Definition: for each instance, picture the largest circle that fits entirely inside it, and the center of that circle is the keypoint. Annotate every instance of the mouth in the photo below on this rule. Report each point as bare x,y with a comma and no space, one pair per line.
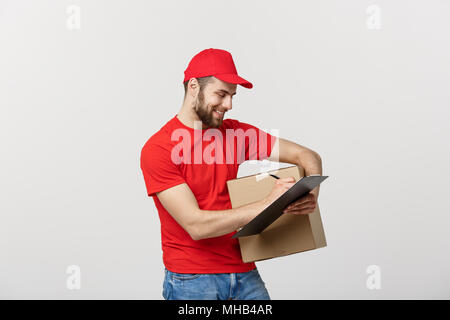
219,113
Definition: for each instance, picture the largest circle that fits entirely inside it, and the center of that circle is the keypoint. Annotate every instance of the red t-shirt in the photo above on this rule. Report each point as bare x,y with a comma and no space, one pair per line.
204,160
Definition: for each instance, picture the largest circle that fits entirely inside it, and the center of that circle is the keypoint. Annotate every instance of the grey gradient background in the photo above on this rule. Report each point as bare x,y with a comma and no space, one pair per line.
78,105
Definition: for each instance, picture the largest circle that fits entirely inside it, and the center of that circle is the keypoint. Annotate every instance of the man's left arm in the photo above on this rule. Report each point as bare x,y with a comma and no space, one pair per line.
291,152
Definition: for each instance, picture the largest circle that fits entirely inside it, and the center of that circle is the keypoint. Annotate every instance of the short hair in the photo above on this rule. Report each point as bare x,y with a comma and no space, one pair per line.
202,82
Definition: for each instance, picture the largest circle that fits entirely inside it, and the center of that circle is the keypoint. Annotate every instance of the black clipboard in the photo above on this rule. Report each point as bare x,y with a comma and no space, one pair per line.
301,188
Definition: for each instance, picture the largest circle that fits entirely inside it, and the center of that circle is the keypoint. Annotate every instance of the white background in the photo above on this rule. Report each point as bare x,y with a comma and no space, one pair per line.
77,105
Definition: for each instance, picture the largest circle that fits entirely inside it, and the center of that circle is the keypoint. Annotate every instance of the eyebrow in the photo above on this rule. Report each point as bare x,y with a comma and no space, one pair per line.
226,92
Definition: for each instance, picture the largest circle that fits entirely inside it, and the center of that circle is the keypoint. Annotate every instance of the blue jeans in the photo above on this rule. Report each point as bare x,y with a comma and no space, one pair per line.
214,286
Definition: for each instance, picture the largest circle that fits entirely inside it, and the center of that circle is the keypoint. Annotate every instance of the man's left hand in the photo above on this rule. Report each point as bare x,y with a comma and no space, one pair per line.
304,205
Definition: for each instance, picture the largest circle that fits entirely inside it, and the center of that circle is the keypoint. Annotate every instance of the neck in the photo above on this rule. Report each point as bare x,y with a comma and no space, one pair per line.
188,116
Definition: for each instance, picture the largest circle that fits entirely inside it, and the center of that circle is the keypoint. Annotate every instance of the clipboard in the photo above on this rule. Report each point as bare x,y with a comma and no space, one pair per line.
301,188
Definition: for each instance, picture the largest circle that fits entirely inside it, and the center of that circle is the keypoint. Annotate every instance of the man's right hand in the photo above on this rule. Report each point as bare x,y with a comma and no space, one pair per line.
280,187
304,205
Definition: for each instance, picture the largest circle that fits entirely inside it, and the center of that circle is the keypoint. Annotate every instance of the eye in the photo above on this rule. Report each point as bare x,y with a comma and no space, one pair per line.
221,95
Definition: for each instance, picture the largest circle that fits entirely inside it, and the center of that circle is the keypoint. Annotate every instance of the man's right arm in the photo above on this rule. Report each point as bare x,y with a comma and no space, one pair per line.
180,202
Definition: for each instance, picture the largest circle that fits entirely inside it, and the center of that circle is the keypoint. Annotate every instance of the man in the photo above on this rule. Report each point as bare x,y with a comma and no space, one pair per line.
187,181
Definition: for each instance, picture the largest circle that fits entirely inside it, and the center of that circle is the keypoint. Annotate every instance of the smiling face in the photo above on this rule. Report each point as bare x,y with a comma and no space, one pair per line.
214,101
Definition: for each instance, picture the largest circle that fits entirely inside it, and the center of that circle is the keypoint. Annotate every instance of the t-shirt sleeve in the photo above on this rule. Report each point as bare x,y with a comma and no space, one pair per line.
258,143
159,171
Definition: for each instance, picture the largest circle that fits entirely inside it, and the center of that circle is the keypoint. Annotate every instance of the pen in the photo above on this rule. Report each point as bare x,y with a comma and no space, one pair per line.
276,177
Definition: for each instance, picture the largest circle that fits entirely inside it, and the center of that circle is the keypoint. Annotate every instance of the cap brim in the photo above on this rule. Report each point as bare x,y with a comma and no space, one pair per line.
235,79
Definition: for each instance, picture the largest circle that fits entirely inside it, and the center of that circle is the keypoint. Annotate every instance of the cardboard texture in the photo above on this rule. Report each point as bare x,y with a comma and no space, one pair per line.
288,234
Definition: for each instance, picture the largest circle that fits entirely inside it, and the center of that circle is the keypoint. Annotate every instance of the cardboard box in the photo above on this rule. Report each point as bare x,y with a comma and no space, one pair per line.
288,234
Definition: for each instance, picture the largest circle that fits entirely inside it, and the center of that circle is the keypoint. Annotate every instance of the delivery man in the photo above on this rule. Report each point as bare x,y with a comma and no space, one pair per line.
186,165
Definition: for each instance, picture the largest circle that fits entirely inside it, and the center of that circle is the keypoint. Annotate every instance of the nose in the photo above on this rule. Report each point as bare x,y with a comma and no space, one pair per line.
228,103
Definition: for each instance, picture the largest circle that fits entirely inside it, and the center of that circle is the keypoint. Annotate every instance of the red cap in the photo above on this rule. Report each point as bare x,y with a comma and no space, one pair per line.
214,62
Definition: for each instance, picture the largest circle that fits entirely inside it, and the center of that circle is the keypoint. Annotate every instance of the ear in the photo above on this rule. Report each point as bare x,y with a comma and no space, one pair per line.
193,87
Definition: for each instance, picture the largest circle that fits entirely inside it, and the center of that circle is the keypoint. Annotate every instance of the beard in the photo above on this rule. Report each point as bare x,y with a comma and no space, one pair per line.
205,113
